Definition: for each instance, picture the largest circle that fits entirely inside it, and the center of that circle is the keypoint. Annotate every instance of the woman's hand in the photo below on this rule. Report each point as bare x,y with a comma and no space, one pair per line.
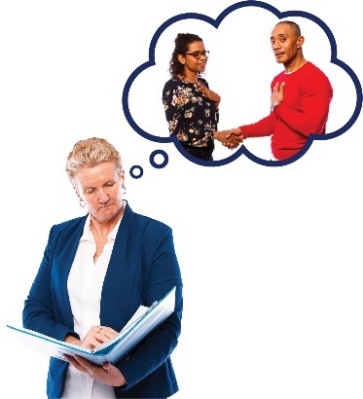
209,93
96,336
107,373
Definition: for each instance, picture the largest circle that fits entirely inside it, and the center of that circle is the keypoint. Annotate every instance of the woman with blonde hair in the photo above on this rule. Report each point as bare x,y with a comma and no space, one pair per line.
96,271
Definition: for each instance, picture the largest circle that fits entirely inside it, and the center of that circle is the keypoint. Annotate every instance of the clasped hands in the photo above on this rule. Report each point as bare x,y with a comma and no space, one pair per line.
107,373
231,138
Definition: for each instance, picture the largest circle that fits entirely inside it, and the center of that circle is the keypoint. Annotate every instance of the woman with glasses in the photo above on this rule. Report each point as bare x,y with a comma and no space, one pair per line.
191,107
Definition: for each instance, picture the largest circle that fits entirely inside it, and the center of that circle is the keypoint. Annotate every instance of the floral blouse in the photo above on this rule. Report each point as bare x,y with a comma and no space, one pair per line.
191,117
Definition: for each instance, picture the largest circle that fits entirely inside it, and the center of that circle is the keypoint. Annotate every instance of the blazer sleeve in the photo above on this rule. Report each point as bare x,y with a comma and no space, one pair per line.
163,273
39,312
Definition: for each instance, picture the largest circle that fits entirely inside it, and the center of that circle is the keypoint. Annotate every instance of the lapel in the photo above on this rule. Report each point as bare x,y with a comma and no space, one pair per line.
121,274
67,248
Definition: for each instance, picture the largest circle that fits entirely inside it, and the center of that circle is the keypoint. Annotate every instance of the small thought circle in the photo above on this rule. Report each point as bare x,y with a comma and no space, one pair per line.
136,171
164,161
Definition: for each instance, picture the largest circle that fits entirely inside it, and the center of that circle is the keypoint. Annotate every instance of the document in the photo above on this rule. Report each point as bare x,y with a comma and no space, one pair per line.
144,320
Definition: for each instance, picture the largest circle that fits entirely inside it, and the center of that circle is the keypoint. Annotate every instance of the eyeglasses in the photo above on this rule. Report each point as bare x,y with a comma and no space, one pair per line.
198,54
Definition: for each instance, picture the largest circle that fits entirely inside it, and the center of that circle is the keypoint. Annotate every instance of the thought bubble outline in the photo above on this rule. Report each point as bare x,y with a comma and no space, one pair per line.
242,149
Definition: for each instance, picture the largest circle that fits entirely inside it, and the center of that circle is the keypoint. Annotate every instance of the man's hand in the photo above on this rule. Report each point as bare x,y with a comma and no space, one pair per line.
277,95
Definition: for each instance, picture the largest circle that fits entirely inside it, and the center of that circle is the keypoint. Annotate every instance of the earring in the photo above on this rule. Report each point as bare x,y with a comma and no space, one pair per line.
123,190
82,203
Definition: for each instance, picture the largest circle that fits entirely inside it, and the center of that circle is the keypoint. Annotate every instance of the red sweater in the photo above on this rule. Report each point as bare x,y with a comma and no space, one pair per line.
304,110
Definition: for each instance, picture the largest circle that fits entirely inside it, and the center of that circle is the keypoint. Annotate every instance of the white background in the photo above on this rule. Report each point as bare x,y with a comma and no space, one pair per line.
271,257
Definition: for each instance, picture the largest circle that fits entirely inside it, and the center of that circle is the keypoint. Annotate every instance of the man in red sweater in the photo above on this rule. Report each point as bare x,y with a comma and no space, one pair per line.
300,97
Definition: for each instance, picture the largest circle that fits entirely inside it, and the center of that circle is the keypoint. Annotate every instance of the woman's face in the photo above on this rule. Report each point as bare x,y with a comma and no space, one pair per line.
195,59
100,187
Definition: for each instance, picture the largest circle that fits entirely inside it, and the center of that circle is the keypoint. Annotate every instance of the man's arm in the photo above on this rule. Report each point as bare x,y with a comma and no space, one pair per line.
264,127
232,137
315,109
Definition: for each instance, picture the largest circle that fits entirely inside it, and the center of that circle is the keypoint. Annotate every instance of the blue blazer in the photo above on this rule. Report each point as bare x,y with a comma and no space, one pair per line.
143,268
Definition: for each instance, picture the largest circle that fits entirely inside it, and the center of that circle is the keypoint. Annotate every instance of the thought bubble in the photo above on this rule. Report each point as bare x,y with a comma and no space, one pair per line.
241,66
158,159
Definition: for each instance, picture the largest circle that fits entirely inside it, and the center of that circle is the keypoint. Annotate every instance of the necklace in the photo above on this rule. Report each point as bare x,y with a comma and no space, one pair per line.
100,238
99,245
187,80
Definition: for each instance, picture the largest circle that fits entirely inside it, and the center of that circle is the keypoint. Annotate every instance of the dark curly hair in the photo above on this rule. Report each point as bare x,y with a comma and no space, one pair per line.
182,42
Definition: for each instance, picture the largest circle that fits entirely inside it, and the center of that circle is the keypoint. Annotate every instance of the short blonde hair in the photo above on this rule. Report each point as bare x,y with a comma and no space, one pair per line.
91,152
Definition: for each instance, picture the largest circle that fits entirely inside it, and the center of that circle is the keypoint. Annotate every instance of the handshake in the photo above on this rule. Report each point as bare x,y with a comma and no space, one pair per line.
231,138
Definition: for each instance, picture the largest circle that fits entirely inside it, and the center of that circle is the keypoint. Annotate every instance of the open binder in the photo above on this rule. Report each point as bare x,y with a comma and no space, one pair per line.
144,320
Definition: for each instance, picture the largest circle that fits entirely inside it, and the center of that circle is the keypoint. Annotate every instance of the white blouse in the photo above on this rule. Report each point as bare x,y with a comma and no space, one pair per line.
85,282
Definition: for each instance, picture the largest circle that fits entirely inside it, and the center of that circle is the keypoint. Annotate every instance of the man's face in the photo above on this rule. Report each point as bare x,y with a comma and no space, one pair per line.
285,44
